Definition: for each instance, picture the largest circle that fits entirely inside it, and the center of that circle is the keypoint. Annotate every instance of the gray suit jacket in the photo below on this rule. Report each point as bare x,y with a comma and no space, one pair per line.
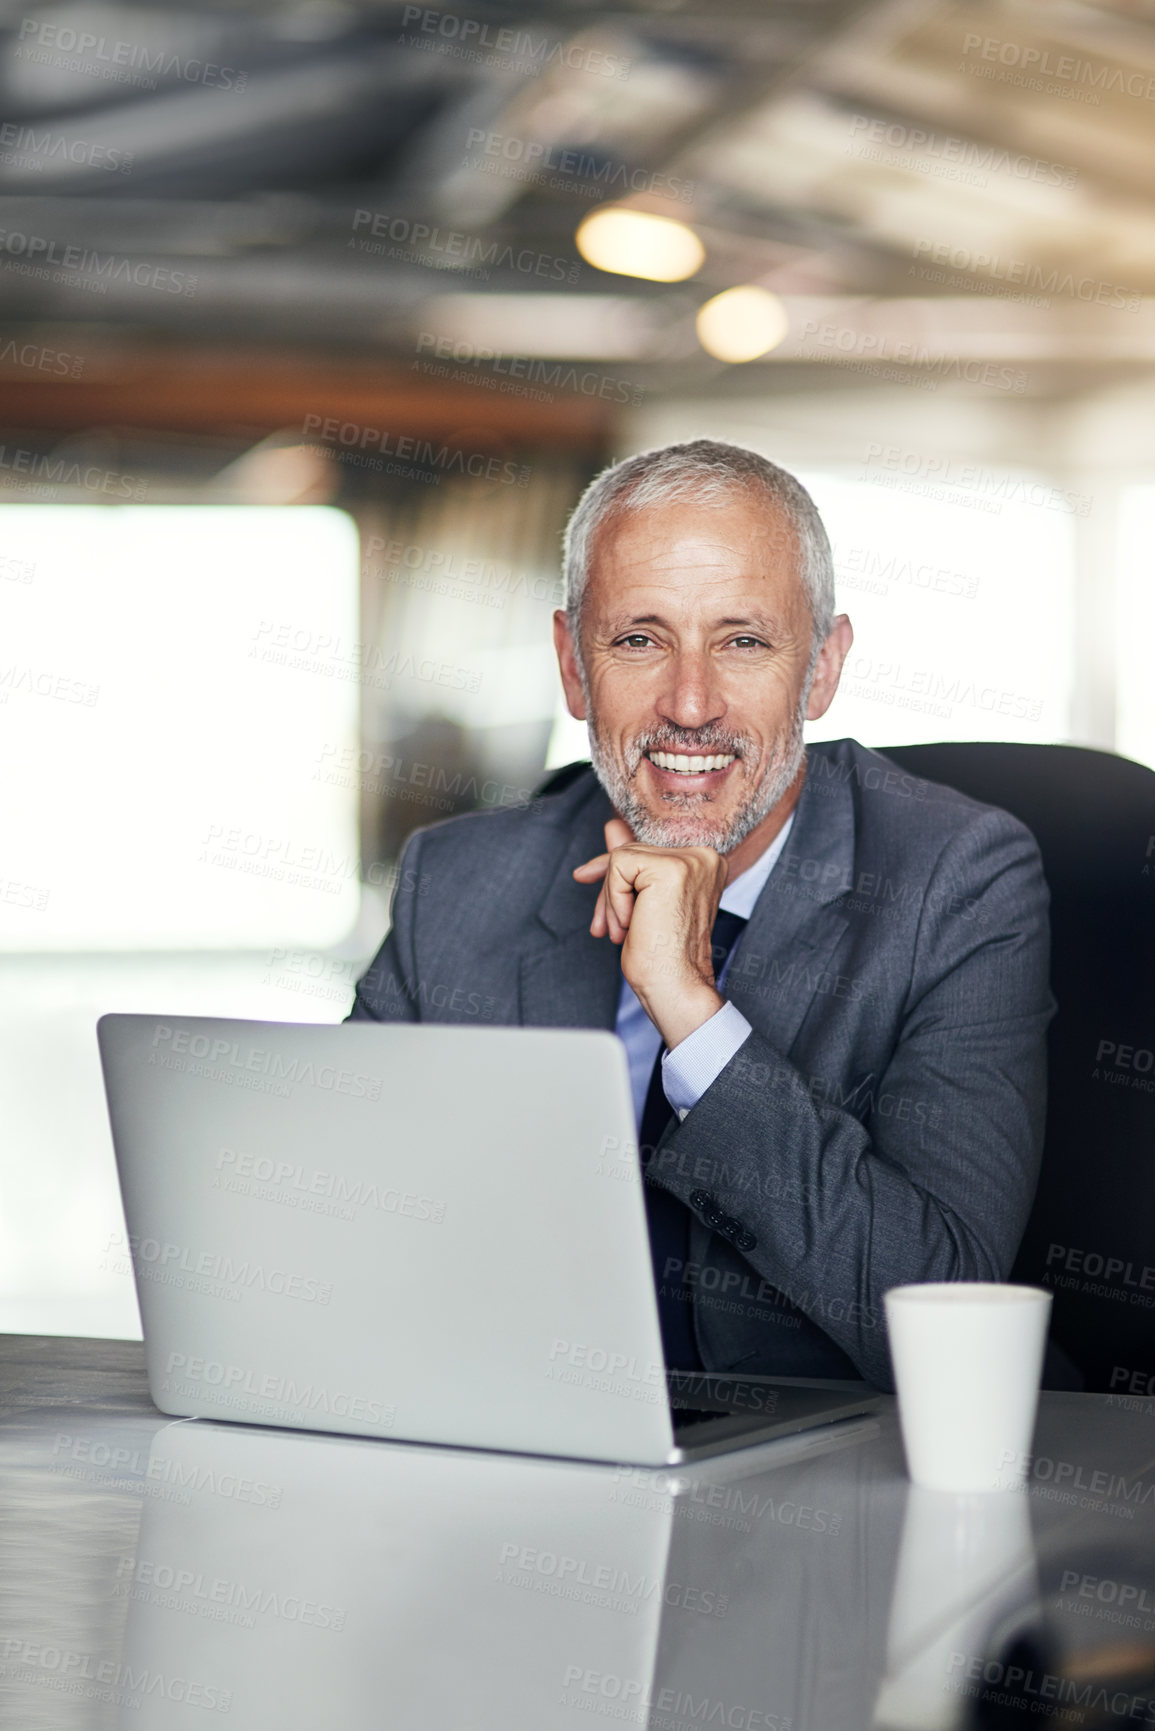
882,1124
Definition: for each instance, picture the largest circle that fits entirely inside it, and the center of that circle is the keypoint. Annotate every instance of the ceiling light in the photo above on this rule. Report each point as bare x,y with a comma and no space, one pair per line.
741,324
634,243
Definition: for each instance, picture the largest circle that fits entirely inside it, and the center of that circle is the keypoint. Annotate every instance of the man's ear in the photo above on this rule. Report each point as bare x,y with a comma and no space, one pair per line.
567,662
828,667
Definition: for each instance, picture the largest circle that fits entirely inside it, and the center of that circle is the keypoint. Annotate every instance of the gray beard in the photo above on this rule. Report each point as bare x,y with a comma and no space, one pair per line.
689,823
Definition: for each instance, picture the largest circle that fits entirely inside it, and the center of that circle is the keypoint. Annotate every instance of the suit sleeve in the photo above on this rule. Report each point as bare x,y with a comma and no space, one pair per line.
934,1179
387,990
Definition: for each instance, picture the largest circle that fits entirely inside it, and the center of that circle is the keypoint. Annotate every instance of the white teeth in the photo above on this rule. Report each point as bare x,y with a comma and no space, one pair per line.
684,765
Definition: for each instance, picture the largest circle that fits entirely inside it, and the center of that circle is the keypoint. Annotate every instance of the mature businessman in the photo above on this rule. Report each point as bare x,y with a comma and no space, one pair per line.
831,979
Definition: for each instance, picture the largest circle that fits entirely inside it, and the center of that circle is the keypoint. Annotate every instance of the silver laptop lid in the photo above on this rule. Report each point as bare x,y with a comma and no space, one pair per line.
430,1233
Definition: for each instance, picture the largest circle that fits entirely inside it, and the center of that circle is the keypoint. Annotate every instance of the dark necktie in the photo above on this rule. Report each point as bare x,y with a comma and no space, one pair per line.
669,1219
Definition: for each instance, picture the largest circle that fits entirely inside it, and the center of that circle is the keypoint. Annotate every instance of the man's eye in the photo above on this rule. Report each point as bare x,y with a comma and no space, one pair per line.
748,642
635,637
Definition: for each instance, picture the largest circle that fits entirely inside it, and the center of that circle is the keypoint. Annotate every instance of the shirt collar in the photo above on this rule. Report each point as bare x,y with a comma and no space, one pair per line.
740,896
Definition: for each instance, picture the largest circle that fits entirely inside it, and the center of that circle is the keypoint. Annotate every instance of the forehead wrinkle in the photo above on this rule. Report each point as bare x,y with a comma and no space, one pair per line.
709,601
691,566
733,523
747,619
689,554
739,591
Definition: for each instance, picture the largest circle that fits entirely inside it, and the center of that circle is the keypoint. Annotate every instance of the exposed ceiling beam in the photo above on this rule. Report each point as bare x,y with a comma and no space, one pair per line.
220,391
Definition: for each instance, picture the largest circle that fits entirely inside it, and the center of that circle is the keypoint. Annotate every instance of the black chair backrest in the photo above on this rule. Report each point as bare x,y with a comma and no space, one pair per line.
1091,1234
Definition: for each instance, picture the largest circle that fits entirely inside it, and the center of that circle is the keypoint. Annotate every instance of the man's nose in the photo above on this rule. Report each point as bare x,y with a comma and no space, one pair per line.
691,698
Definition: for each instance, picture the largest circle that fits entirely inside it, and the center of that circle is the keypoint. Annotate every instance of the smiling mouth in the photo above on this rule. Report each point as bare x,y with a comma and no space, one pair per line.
679,763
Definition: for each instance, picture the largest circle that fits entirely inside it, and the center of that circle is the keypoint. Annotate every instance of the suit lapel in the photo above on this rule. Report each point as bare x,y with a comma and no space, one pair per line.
576,981
576,984
793,930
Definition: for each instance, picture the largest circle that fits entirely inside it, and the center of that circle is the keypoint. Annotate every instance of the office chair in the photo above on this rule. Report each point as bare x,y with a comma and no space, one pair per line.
1091,1234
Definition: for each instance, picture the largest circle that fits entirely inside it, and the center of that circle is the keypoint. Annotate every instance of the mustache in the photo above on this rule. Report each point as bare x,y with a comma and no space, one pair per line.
701,742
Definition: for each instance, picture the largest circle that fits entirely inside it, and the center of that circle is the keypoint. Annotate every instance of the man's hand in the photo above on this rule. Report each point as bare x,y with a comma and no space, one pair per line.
659,903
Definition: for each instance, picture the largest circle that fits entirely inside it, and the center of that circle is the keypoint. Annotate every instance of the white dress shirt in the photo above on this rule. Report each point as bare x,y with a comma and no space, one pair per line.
693,1064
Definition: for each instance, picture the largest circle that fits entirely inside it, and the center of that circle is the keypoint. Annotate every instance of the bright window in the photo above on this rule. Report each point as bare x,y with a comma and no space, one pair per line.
178,687
962,607
1135,690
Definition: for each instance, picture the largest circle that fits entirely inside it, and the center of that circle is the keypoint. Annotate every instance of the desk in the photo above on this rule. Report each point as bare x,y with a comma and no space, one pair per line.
161,1573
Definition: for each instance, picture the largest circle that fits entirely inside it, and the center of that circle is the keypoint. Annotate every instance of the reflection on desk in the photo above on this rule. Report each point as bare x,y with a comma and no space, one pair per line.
162,1574
323,1581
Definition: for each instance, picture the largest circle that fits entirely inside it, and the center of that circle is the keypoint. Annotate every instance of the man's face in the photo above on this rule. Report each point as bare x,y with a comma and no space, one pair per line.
696,637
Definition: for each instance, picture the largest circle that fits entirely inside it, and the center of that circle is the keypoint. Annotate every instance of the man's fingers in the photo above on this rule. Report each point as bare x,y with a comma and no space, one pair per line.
607,919
592,870
618,895
615,904
612,911
618,834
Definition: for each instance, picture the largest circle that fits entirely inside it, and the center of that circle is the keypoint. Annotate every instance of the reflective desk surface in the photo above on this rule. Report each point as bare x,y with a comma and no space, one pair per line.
164,1573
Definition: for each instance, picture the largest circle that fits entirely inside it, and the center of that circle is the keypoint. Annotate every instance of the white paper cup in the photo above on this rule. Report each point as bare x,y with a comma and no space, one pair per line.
967,1359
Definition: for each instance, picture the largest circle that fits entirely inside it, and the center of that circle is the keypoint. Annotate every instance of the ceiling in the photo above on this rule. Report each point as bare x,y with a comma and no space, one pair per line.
928,184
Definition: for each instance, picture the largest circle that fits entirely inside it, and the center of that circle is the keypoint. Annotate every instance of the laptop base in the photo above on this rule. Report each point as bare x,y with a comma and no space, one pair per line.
716,1411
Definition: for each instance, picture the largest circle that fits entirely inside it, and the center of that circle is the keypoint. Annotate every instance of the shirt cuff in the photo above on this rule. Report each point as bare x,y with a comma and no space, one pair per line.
701,1057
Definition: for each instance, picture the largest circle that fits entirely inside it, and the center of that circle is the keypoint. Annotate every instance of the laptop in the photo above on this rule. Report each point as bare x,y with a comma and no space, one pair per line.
427,1233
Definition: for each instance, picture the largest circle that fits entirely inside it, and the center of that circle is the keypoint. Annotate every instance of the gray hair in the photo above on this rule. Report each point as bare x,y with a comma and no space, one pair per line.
708,472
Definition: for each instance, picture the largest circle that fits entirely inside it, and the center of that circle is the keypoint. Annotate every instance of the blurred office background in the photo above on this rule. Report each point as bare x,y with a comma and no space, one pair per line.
304,362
